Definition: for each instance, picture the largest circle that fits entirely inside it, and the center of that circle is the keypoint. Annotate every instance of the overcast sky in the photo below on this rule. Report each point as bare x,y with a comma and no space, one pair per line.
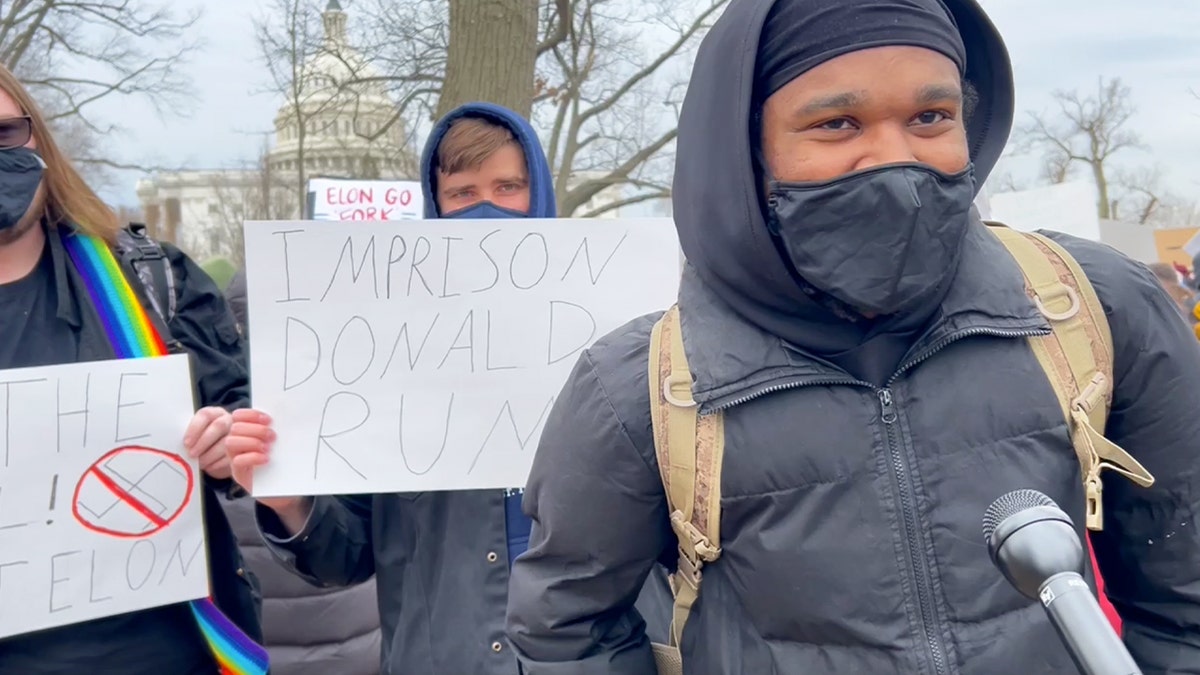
1055,44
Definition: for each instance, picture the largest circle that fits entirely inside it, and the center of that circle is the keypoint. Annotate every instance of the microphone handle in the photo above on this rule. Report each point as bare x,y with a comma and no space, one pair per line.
1086,632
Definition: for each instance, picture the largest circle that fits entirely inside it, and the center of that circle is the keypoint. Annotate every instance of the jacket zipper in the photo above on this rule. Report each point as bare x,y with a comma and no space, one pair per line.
758,393
709,409
955,337
917,563
917,559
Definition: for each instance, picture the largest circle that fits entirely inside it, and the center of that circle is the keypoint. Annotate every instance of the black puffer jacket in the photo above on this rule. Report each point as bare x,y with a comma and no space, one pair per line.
851,512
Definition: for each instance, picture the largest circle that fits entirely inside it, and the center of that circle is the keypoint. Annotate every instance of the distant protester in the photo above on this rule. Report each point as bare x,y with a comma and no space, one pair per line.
442,601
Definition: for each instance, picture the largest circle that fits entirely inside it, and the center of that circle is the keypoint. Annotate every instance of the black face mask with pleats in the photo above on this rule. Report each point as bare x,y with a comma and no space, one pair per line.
882,240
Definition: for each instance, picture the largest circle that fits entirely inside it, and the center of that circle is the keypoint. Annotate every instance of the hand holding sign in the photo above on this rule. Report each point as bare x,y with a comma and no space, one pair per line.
249,445
100,508
204,440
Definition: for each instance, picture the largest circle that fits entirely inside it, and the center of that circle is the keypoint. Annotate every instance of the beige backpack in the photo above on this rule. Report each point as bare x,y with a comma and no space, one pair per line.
1077,358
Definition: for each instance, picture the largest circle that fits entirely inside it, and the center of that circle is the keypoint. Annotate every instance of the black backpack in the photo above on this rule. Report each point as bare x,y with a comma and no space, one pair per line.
153,269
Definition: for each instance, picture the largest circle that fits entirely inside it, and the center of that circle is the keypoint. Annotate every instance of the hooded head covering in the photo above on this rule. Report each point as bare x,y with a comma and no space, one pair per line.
541,185
801,34
717,195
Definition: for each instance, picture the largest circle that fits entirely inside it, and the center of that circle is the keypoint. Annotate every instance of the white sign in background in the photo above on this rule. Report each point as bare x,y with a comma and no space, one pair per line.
1069,208
100,508
398,357
376,200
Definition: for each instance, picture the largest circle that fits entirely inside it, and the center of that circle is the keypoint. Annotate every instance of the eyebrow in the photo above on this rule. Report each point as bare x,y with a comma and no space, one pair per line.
447,189
841,101
931,93
512,179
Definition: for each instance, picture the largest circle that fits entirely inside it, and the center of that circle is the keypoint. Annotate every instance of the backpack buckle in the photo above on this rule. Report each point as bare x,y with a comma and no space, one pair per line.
1066,292
682,383
696,553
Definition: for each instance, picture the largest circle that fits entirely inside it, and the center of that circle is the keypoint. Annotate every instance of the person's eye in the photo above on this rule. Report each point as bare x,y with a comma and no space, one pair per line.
509,188
839,124
931,117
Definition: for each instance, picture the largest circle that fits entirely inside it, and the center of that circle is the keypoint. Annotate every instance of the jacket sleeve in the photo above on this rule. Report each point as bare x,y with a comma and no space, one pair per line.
334,546
235,294
204,325
1149,550
599,525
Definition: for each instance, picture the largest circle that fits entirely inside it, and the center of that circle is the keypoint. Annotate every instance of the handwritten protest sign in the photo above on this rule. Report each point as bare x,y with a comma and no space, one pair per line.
338,199
99,512
398,357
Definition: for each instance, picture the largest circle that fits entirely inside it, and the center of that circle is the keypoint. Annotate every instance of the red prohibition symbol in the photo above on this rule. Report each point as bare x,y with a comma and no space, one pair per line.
132,492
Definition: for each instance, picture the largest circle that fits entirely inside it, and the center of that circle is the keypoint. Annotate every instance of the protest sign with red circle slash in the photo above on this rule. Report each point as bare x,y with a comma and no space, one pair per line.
133,492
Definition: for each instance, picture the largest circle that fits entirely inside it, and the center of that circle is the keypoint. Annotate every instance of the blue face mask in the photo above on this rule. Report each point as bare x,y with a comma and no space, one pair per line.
484,210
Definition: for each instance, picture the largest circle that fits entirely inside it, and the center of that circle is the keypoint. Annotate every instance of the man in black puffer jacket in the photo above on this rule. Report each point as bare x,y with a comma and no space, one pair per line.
864,336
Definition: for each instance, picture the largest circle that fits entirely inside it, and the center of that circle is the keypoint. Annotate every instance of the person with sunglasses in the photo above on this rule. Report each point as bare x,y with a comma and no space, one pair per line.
48,317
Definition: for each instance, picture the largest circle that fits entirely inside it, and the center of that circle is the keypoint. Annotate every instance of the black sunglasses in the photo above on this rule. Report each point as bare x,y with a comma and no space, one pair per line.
15,131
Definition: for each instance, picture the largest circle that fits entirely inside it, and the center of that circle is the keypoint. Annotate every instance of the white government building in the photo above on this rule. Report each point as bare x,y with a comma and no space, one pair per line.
344,136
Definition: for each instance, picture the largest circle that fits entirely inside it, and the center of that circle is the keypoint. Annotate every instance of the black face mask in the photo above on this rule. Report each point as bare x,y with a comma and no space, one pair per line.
20,174
881,240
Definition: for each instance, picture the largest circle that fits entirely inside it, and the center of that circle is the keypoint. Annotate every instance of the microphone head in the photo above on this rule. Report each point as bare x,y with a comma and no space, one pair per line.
1030,540
1011,504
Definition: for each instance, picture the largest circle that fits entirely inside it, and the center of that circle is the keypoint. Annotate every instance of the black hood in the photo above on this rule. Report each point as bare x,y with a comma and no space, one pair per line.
716,197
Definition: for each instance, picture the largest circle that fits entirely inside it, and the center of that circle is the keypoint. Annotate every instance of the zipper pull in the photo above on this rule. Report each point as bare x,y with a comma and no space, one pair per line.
886,406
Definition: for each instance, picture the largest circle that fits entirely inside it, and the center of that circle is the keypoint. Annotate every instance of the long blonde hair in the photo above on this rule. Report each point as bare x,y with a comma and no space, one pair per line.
69,200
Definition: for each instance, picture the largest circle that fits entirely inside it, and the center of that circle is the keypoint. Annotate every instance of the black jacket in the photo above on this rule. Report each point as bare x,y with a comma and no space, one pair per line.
235,295
851,513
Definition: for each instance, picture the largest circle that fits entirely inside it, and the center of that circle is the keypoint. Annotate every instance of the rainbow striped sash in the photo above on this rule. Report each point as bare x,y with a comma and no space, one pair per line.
133,335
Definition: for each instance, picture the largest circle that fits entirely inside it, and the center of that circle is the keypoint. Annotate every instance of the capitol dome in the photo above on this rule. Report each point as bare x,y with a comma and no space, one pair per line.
345,110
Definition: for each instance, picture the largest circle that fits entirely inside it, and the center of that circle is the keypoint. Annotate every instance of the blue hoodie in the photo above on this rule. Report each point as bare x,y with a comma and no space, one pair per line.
541,183
541,205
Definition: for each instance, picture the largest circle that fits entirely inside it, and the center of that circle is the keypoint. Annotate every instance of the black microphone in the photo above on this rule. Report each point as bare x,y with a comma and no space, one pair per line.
1034,545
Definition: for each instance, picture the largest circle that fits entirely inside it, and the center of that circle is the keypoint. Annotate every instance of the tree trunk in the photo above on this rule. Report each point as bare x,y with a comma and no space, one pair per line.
493,49
301,174
1105,211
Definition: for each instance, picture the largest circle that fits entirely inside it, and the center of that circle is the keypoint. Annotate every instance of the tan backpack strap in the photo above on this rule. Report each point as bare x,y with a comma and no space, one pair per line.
1077,357
690,448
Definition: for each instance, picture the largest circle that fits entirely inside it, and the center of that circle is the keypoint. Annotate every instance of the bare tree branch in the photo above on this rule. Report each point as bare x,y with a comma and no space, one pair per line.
1089,130
75,54
561,20
254,193
603,94
605,98
1056,166
664,193
1142,189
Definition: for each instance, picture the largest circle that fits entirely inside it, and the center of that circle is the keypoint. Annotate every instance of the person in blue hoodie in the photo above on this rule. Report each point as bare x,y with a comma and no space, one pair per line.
485,161
441,559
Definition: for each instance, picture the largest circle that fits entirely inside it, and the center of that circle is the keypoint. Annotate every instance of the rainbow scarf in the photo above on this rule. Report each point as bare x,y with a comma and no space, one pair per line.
132,336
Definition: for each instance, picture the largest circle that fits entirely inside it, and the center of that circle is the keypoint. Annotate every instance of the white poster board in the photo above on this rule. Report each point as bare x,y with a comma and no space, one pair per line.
373,200
1069,208
100,508
398,357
